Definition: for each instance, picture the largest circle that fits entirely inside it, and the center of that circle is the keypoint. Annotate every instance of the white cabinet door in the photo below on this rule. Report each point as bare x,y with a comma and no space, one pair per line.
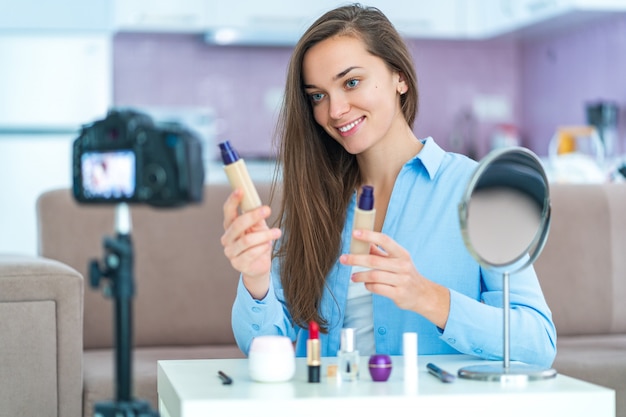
598,5
286,19
162,15
442,19
91,15
532,11
489,18
486,18
31,165
271,22
278,14
54,81
495,17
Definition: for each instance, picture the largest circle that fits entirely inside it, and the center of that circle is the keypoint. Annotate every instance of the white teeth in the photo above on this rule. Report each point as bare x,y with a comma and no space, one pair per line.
345,128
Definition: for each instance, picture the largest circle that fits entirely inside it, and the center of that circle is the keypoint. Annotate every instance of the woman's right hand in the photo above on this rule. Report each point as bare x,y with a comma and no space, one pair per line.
247,242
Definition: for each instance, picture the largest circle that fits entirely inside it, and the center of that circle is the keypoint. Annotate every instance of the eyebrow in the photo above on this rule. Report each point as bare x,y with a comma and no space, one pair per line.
336,77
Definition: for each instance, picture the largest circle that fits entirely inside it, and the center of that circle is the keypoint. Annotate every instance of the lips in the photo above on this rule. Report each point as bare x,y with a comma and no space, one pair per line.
348,128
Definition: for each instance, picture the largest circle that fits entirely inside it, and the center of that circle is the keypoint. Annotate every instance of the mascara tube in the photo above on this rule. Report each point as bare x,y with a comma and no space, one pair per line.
238,176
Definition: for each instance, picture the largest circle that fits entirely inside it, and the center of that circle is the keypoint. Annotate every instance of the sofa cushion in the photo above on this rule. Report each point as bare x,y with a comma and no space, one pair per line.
99,370
582,266
28,386
185,286
40,343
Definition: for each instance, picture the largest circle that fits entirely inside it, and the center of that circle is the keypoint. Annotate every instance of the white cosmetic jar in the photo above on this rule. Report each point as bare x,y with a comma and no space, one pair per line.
271,359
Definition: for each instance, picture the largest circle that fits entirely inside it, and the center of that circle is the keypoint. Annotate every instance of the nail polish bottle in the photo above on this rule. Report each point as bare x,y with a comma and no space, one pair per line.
238,176
348,356
364,218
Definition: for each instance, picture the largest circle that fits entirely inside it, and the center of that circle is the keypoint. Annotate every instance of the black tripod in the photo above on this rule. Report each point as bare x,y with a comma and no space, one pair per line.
118,268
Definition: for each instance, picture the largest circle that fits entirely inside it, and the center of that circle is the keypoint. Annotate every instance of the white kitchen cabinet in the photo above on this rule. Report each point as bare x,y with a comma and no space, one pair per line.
253,22
51,82
76,15
278,14
163,15
283,21
495,17
528,11
420,19
443,19
488,18
599,5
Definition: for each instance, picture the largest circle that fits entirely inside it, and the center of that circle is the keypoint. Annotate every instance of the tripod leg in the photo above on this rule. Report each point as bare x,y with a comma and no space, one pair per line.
123,363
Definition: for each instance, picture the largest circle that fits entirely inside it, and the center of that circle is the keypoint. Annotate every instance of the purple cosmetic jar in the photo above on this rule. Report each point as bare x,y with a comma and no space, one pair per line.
380,367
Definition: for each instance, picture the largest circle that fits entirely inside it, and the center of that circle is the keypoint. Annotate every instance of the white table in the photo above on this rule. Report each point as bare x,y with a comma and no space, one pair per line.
191,388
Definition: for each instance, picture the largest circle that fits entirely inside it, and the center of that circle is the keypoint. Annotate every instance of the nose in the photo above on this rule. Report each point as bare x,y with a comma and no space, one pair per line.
338,106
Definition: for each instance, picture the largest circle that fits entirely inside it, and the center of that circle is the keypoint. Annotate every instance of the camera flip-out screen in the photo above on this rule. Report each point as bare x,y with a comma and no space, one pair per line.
108,175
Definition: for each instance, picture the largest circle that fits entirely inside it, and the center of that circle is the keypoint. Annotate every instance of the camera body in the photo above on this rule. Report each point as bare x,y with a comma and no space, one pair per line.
127,158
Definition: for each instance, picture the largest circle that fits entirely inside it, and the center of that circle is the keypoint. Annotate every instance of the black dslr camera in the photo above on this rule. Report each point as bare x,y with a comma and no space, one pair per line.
126,157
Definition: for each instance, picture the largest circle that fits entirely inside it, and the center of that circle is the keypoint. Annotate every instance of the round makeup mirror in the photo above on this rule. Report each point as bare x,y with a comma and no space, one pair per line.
505,219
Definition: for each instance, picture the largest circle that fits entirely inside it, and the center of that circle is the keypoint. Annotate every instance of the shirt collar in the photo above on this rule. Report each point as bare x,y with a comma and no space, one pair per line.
431,156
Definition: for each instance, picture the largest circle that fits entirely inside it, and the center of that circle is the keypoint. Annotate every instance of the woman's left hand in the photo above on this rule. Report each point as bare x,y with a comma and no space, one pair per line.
392,274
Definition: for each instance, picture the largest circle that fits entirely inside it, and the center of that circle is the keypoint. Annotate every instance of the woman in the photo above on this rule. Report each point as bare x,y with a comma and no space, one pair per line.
346,121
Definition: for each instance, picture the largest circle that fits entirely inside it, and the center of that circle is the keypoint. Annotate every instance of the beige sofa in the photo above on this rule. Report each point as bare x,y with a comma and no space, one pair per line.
40,343
582,271
184,285
185,288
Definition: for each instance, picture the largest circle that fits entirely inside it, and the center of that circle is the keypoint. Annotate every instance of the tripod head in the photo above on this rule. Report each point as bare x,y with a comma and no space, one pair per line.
118,259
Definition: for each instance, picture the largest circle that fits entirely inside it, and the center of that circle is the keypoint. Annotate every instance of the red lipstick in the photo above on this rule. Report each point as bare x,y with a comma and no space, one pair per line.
313,352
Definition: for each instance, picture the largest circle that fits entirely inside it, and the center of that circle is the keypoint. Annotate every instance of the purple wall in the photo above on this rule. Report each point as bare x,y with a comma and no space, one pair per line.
241,84
451,75
563,72
181,70
546,82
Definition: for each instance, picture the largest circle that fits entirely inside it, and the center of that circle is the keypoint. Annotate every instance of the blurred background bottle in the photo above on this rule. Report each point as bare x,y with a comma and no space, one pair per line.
505,135
604,116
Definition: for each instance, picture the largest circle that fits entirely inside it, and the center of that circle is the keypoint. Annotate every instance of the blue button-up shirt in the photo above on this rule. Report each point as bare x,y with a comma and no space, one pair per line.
422,216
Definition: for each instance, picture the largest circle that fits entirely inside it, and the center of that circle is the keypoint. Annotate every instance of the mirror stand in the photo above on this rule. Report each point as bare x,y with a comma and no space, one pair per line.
507,372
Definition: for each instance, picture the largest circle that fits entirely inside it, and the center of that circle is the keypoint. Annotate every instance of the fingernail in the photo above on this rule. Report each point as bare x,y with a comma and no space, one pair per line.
358,233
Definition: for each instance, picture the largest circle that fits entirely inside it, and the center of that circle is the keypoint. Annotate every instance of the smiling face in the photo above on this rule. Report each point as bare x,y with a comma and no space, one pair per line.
355,96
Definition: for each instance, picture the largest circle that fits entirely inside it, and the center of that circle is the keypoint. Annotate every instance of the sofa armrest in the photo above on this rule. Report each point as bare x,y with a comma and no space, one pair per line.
41,314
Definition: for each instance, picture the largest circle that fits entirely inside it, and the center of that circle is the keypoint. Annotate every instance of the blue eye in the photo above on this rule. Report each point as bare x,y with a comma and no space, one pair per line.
317,97
352,83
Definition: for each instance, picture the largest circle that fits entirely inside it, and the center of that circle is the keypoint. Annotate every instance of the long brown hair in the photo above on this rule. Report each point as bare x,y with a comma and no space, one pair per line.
318,175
